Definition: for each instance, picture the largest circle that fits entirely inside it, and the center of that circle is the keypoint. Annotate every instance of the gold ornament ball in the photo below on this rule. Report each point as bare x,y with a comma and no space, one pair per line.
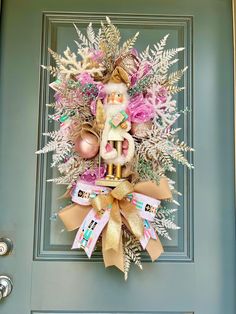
87,145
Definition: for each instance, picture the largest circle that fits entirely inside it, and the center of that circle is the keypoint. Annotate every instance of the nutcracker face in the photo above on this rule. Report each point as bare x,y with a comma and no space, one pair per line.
115,98
116,95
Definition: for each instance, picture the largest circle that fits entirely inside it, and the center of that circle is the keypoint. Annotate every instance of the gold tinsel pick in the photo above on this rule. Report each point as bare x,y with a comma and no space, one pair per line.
99,125
100,115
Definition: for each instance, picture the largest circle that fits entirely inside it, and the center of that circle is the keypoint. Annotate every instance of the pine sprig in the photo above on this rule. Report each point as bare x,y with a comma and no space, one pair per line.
145,170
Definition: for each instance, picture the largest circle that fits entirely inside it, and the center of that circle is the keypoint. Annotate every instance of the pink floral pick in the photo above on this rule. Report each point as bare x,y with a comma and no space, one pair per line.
140,109
91,175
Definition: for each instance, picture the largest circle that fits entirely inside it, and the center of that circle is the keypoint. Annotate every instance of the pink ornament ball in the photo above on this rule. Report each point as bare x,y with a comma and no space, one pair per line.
87,145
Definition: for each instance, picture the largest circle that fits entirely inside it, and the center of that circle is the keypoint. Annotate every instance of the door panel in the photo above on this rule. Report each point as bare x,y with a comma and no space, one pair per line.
58,31
196,273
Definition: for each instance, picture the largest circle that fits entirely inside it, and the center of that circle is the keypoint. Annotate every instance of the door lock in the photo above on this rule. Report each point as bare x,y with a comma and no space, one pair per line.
6,246
5,286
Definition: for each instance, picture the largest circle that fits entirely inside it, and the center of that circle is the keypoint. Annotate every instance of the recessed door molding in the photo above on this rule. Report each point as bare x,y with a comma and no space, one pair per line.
181,249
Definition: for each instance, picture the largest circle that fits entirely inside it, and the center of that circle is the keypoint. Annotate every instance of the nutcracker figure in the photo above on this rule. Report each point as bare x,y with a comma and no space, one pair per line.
117,145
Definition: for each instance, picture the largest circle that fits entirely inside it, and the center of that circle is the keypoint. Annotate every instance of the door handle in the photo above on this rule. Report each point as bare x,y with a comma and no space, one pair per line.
6,246
5,286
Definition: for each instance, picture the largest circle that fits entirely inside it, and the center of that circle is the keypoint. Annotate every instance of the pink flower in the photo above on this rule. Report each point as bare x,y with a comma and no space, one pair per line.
140,109
93,92
91,175
143,70
96,55
161,95
134,52
93,107
101,95
85,78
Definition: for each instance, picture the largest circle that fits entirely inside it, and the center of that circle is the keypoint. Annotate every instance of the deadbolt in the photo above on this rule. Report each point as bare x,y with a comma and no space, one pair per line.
6,246
5,286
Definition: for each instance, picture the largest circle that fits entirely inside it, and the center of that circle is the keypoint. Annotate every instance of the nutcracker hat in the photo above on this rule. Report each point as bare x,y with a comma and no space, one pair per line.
119,75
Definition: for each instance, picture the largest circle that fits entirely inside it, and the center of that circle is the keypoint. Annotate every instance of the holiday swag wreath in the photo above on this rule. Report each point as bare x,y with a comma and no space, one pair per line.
116,143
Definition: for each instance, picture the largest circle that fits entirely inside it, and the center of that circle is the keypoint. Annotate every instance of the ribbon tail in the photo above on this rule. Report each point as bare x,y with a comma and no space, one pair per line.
73,215
129,211
149,232
112,257
90,231
154,248
114,228
161,191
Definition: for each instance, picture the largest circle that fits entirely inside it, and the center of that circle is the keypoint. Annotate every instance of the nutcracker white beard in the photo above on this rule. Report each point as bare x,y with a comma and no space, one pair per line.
112,109
115,105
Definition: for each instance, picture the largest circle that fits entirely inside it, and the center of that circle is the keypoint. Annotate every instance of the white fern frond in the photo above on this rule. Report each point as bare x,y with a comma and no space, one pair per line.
49,147
91,34
145,54
169,224
54,71
161,230
83,40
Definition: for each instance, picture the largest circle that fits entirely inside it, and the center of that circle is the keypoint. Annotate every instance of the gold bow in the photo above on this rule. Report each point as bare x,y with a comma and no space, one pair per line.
121,211
119,205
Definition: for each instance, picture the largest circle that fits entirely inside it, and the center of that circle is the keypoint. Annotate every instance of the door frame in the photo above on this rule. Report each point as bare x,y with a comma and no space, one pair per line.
234,62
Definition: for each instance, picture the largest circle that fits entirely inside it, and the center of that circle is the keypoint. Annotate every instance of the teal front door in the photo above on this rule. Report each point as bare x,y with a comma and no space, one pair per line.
196,274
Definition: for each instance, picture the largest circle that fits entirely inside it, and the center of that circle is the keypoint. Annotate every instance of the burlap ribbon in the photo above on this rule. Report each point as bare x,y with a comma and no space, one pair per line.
121,211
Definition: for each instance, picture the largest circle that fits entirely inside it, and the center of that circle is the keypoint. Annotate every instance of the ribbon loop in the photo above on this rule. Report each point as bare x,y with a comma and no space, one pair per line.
122,190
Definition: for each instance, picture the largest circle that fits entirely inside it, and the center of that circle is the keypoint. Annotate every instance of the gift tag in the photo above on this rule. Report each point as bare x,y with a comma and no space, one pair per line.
119,118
